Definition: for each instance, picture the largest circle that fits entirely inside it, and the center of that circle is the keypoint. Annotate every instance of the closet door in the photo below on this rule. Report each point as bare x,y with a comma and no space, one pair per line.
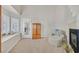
36,34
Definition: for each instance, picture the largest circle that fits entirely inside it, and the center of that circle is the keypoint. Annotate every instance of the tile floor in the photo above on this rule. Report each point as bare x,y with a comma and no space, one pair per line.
36,46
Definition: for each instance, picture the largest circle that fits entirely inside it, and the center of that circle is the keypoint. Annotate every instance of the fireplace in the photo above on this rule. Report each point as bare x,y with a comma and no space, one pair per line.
74,39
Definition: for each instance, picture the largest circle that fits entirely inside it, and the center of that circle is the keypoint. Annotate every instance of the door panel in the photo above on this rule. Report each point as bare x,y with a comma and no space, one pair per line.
34,36
34,26
34,31
38,26
38,37
38,32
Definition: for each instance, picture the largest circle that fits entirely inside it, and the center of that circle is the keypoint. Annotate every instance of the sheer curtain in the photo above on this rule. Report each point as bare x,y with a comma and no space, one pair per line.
5,24
14,25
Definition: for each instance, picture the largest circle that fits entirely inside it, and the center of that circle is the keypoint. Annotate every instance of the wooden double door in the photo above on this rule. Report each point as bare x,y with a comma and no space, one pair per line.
36,34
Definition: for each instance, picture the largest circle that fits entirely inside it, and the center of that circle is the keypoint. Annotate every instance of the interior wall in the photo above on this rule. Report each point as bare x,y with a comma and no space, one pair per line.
64,20
43,14
51,17
44,27
70,22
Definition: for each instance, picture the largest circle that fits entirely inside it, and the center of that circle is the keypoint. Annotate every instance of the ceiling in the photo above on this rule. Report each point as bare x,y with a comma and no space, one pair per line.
74,8
21,8
53,14
38,11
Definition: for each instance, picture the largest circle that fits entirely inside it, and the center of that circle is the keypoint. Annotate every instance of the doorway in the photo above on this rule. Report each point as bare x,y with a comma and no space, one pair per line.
36,31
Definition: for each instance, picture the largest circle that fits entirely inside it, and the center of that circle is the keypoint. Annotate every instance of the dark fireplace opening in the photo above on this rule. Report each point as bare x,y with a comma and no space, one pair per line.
74,39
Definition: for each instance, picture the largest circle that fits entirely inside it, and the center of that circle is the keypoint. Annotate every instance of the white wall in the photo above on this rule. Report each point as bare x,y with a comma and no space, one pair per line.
43,14
52,17
70,21
44,28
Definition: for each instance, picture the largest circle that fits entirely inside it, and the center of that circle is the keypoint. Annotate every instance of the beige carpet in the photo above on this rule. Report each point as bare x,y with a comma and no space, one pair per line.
36,46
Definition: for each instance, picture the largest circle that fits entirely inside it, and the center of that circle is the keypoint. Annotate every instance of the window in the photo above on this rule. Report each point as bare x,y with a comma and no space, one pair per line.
14,25
9,26
5,24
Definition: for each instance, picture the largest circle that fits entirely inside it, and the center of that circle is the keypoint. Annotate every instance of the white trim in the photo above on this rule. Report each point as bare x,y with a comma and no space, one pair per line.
8,37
